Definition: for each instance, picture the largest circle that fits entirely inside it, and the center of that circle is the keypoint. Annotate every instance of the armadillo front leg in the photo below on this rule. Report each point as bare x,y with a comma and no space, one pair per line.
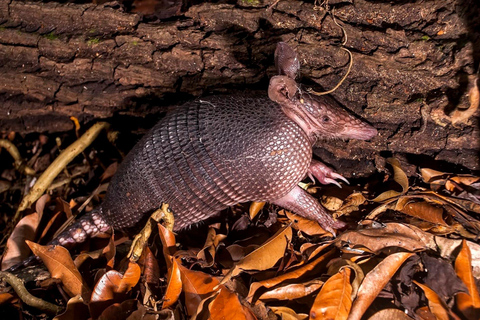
303,204
324,174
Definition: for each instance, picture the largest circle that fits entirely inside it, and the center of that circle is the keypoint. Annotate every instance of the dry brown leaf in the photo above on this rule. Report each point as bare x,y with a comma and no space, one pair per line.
374,282
112,288
150,267
310,227
398,176
424,313
468,304
391,235
169,243
437,306
313,266
465,179
255,208
76,310
335,265
334,300
227,306
105,288
174,287
390,314
351,204
331,203
266,256
206,256
196,287
288,314
292,291
17,250
422,210
108,251
130,278
429,175
118,311
60,265
311,250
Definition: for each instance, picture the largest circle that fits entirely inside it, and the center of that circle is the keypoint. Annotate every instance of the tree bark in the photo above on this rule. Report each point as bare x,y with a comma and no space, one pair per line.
414,63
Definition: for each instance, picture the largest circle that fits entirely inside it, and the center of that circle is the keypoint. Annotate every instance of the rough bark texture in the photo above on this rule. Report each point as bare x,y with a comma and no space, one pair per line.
413,64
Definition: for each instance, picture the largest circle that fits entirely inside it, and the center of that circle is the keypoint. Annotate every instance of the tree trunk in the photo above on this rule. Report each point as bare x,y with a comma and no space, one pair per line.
414,63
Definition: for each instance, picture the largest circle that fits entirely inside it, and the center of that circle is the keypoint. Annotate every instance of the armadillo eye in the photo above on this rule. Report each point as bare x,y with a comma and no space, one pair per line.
326,119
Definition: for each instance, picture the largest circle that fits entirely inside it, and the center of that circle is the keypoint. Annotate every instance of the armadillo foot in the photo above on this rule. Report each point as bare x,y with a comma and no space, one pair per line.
324,174
305,205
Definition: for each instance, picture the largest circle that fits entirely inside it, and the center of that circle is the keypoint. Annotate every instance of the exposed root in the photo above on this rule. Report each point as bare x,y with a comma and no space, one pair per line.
19,287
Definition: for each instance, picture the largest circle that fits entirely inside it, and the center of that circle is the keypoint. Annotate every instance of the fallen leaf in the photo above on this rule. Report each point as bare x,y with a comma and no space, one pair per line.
112,288
310,267
390,314
227,306
174,286
437,306
17,250
422,210
398,176
334,300
255,208
429,175
310,227
468,304
168,243
60,265
196,287
206,256
119,311
266,256
392,235
288,314
76,310
374,282
441,277
292,291
130,278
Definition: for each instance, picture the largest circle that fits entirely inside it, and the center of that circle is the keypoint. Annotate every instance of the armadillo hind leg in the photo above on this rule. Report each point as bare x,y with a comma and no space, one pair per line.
303,204
324,174
85,227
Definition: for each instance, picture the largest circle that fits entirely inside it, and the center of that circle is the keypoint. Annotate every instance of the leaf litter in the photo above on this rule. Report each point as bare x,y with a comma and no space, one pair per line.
410,252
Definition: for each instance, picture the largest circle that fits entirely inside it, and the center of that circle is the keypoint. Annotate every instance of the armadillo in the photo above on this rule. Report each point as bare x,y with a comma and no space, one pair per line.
222,150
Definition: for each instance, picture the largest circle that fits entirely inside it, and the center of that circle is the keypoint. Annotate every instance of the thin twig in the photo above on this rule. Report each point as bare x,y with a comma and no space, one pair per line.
58,165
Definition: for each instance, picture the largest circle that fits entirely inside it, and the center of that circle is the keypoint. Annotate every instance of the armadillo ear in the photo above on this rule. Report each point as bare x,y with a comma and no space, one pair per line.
282,90
286,61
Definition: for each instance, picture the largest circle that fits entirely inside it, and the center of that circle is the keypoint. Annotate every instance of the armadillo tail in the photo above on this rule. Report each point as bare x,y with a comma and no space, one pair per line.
87,226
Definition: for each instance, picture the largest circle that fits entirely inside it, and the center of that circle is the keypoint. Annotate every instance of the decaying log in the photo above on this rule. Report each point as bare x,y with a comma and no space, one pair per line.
414,64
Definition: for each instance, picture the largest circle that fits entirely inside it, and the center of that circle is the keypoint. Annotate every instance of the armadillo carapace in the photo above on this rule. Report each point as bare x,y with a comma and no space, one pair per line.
218,151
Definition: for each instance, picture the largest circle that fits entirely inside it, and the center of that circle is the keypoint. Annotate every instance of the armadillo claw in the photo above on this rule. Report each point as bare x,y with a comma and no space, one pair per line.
324,174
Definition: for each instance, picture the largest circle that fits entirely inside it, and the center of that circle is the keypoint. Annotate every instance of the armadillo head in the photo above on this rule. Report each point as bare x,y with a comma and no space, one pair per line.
320,116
